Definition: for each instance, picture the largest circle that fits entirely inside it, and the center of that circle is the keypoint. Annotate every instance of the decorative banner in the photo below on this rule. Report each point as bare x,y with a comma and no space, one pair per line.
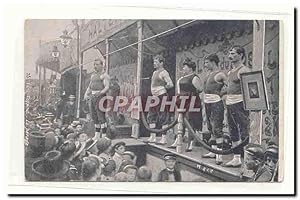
98,30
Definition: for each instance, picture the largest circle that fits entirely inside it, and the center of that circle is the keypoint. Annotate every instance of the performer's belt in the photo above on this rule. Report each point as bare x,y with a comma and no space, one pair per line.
211,98
95,91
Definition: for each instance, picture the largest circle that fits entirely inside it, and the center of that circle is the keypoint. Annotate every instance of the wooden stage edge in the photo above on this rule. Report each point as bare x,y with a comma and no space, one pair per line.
193,161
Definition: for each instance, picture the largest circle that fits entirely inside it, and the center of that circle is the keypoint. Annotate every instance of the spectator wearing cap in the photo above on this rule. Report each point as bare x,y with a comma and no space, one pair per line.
170,173
119,149
253,158
268,172
104,148
144,174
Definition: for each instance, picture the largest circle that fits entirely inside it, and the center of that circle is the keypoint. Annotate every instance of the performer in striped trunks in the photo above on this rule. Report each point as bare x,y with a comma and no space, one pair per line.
214,106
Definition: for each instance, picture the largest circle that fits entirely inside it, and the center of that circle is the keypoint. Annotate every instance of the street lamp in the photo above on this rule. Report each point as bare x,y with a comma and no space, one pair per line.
65,38
55,53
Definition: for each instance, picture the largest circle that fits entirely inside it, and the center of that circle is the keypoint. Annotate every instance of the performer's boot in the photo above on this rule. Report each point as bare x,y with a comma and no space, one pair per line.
189,146
163,137
210,154
152,138
174,145
236,161
103,130
219,159
97,133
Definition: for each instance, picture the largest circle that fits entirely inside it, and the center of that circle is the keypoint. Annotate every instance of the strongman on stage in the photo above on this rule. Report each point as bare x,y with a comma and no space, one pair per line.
238,117
97,89
190,86
214,107
160,83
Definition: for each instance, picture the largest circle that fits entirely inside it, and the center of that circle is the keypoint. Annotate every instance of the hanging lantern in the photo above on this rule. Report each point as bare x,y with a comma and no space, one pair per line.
65,38
55,53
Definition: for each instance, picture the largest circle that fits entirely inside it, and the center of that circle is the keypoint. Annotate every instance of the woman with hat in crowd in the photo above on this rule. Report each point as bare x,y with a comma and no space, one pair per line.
170,173
51,167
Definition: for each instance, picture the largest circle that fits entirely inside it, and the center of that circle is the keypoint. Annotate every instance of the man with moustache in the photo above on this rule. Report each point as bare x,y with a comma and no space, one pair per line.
238,117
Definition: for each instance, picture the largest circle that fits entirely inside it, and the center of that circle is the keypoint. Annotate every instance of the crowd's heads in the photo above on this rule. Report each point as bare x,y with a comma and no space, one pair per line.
144,173
67,149
51,139
131,171
103,145
130,156
109,167
90,169
121,177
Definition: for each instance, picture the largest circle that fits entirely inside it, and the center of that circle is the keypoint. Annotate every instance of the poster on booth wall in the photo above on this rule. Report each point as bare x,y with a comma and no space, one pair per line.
164,100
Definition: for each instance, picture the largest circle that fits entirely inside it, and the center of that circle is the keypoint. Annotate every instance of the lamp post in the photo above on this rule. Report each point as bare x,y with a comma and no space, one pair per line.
65,39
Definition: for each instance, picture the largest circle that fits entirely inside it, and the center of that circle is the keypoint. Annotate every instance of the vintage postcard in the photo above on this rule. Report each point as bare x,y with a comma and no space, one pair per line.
153,100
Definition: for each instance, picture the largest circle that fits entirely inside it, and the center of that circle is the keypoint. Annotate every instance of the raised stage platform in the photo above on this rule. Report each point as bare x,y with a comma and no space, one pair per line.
193,167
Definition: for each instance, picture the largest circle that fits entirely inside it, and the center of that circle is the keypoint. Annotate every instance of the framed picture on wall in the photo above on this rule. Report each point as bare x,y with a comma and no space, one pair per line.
254,91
